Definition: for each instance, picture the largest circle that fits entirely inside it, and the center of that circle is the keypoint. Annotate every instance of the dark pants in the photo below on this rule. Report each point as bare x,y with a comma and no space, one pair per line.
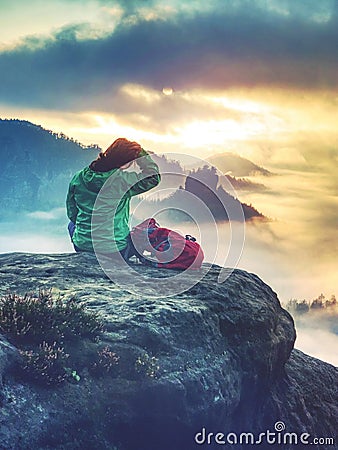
126,252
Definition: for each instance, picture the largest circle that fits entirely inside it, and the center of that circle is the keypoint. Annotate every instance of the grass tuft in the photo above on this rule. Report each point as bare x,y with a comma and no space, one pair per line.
31,319
40,326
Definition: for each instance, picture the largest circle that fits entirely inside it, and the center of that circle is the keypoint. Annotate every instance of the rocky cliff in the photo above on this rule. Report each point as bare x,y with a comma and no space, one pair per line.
217,358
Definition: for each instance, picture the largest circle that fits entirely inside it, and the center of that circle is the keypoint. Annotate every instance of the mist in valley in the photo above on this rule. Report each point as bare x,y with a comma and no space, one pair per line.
257,246
282,223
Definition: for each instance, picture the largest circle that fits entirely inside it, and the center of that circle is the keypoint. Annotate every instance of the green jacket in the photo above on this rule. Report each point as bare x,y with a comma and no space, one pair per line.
102,221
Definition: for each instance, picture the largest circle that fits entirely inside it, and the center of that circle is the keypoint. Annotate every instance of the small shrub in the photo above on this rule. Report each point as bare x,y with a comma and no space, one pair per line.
147,365
45,364
40,326
31,319
106,362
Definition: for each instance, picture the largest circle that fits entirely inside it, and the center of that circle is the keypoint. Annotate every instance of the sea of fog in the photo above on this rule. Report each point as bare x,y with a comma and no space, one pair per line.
264,248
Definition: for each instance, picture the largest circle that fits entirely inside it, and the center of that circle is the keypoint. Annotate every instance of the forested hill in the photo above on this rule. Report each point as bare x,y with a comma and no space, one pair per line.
36,165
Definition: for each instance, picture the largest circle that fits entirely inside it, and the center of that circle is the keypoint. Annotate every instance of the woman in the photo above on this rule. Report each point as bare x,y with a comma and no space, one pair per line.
100,223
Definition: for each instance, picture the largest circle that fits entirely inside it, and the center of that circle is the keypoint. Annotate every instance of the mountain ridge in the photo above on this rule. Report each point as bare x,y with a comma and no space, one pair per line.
38,165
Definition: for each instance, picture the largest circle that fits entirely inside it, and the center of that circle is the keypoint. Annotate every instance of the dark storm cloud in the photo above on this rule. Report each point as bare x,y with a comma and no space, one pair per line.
215,49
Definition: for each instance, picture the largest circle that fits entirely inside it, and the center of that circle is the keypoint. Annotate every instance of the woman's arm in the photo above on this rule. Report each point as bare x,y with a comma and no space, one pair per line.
148,178
71,204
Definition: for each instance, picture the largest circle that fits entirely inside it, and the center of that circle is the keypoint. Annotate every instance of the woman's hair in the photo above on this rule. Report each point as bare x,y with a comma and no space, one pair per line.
120,152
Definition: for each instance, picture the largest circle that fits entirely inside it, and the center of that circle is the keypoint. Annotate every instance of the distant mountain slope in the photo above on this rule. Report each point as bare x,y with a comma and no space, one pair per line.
37,165
236,165
202,184
243,184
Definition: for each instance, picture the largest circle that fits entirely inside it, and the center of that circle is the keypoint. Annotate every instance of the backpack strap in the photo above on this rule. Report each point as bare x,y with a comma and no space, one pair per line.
190,238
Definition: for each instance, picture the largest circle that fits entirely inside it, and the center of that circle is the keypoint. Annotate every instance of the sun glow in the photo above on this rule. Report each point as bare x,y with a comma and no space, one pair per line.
217,132
199,121
167,91
111,127
239,104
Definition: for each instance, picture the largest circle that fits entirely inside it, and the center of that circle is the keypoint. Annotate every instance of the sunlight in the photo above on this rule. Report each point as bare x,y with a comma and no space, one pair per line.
216,132
167,91
196,134
109,126
242,105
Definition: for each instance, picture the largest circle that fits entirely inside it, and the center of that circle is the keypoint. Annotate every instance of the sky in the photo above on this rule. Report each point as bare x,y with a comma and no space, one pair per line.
258,78
239,70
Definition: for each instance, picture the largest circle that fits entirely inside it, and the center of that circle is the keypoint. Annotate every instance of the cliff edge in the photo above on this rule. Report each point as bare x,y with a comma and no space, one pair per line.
195,370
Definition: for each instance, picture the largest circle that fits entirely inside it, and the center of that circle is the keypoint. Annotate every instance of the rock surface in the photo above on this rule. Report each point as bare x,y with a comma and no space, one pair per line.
218,357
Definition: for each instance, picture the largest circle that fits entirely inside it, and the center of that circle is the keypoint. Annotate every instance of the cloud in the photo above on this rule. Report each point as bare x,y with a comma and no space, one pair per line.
309,154
317,335
318,343
135,104
213,48
53,214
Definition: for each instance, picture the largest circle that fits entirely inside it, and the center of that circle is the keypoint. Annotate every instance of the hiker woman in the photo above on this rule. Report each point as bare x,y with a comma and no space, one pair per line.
103,224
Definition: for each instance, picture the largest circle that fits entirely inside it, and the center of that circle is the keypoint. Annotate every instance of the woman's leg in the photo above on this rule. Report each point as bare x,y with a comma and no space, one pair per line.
71,229
130,250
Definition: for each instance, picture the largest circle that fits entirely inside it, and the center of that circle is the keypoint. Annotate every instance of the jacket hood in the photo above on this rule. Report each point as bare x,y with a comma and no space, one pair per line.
95,180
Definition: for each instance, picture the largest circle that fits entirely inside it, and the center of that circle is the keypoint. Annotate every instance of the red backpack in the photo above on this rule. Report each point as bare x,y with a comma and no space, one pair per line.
166,248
